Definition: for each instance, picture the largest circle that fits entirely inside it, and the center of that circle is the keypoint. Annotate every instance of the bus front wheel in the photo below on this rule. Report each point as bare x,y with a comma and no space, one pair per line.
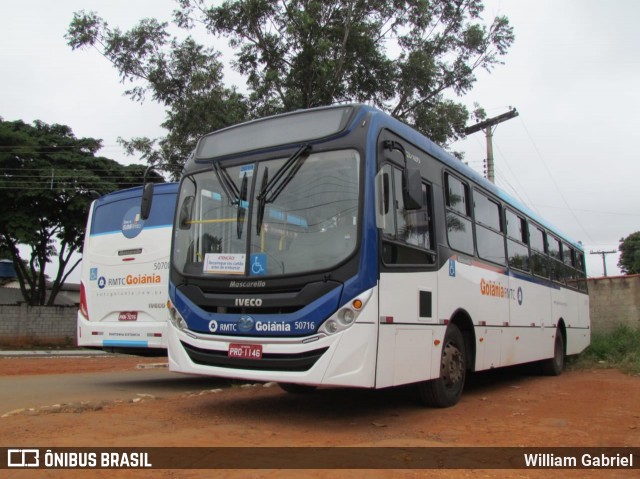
446,390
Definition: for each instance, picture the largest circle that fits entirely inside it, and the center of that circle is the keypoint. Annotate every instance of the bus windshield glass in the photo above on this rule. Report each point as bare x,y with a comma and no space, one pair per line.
310,225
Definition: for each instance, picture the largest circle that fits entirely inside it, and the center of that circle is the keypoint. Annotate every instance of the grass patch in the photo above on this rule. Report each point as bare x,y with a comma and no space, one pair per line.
618,348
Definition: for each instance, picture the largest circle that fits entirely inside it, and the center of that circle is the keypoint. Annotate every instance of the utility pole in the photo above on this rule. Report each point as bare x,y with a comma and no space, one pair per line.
603,253
487,125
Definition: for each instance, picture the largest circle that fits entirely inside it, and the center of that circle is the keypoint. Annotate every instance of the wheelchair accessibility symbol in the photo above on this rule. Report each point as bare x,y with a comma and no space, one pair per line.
258,264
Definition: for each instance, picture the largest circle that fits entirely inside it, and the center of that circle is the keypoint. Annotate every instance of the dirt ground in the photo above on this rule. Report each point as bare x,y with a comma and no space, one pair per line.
503,408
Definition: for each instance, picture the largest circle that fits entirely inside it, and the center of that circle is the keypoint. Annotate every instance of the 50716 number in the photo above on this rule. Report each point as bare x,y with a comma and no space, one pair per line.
304,325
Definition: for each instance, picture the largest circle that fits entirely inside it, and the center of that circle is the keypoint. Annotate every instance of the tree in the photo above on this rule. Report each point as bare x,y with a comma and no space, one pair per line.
48,178
182,75
629,262
403,56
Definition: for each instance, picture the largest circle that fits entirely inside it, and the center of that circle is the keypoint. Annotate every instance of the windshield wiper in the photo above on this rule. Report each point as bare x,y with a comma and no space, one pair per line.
229,187
242,201
236,197
261,200
271,189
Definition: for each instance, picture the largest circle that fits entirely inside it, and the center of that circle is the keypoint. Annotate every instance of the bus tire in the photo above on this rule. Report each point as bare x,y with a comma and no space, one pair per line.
292,388
555,365
446,390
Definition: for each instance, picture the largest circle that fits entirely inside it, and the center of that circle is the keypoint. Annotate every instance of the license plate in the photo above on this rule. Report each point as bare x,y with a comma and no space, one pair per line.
245,351
128,316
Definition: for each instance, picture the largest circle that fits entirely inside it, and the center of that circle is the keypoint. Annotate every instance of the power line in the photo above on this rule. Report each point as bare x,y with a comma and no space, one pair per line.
544,163
520,187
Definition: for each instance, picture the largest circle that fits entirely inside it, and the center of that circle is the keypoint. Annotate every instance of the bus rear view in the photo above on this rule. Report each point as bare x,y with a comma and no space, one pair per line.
124,276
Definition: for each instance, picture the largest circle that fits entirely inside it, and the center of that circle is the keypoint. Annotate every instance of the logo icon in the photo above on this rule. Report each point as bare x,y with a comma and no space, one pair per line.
245,324
258,264
102,282
213,325
520,296
23,457
132,224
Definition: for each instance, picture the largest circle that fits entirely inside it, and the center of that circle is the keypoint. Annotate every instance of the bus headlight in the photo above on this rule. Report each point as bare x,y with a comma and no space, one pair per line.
330,326
346,315
176,319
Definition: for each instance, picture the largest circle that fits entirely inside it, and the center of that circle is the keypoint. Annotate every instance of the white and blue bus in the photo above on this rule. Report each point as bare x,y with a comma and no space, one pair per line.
125,271
338,246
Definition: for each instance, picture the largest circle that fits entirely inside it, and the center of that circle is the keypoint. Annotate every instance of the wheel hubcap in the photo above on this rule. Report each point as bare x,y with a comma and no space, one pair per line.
452,365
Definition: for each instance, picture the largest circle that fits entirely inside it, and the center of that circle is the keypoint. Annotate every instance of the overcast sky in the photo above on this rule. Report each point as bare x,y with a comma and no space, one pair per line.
573,74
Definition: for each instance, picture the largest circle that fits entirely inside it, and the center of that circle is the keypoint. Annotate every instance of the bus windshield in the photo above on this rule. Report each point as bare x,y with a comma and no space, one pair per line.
310,225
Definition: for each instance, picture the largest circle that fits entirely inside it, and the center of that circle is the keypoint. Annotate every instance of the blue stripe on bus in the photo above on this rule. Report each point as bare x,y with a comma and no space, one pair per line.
102,233
534,279
529,278
113,343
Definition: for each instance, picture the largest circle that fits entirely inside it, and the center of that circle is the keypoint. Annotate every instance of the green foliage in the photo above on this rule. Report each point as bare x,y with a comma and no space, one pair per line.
182,75
48,178
400,55
629,262
618,348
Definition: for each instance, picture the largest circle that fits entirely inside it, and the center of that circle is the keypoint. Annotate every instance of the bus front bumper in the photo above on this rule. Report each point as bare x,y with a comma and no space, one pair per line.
343,359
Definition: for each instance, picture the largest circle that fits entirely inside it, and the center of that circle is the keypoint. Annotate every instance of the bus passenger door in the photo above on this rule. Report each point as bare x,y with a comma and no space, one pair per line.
406,290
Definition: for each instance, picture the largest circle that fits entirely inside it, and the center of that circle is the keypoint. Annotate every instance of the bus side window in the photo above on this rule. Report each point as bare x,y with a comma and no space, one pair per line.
555,260
517,240
489,237
407,232
539,262
580,271
459,229
569,258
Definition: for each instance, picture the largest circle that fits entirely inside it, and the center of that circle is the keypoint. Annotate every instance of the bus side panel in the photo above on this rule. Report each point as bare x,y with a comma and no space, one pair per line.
406,338
528,337
477,289
579,335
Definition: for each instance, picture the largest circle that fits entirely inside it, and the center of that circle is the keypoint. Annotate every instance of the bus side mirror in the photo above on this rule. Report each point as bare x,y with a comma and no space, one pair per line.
147,200
185,213
412,188
382,195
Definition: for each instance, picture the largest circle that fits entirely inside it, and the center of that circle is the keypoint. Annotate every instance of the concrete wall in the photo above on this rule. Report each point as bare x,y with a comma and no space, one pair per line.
614,300
37,325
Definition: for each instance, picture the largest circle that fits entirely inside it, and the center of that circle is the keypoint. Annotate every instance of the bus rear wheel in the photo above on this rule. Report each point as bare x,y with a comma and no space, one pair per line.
555,365
446,390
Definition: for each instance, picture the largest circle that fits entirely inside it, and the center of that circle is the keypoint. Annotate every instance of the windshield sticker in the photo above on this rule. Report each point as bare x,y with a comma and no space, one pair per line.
258,264
248,169
216,263
132,224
